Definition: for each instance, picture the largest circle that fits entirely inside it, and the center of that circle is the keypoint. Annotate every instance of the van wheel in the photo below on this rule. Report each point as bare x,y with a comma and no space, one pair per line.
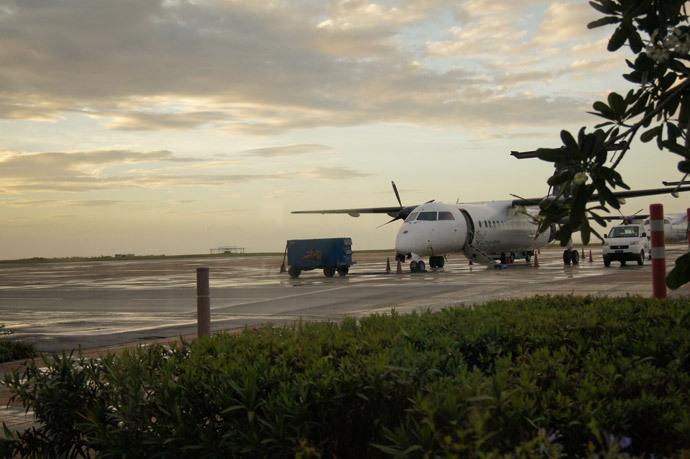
329,271
640,259
294,272
343,270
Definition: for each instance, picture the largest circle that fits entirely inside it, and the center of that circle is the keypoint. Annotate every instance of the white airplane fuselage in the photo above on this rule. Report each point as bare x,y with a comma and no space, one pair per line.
675,227
492,229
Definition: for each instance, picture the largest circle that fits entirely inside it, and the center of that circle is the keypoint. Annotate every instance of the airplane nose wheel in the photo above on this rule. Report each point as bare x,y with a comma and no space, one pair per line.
417,266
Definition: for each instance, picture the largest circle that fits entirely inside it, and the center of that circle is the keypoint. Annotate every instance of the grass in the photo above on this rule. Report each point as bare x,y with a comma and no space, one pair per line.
544,376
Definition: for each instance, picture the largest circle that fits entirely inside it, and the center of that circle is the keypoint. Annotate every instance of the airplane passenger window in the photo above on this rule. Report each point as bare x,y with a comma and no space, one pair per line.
445,216
427,216
411,217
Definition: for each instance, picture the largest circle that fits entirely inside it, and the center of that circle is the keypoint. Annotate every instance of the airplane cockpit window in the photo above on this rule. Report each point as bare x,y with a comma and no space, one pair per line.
445,216
412,217
625,231
427,216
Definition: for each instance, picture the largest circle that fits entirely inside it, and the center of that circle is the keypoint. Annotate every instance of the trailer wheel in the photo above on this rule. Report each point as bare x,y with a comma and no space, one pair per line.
294,272
343,270
329,271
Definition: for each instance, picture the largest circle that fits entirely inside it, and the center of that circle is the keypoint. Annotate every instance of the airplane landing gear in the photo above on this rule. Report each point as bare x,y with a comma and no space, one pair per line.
436,262
571,256
417,266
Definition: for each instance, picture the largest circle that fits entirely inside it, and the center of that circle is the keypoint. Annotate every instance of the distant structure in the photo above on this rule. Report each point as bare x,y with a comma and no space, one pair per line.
233,250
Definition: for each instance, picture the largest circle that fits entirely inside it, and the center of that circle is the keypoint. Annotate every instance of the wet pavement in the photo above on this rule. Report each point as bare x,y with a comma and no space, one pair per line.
60,306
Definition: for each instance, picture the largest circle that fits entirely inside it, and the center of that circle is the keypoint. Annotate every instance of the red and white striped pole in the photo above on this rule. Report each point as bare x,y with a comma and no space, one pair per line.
656,227
688,229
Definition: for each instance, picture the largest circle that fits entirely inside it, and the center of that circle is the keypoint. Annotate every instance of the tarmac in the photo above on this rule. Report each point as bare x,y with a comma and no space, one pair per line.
103,306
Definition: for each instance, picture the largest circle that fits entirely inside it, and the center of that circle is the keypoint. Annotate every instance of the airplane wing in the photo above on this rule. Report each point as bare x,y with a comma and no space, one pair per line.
613,218
617,194
395,212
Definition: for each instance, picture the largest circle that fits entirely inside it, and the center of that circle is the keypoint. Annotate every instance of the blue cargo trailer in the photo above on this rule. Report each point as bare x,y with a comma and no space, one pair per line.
331,254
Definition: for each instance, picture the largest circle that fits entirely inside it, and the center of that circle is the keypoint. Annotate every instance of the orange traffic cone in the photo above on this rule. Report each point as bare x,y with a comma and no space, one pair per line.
536,259
388,265
590,255
398,270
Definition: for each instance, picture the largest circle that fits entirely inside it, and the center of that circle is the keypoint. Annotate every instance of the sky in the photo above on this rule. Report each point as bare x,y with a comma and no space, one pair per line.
173,127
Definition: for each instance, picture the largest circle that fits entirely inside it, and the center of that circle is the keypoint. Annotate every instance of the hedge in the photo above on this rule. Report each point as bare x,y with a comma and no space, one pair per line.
544,376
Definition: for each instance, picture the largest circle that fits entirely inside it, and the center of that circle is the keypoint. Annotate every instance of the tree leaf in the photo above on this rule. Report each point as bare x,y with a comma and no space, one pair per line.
680,274
603,21
569,141
617,39
650,134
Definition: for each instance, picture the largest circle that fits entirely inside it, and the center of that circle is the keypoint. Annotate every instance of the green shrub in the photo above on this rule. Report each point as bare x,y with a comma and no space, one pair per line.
15,350
543,376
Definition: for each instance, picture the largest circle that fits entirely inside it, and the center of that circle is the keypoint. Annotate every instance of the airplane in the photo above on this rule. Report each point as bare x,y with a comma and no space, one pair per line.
483,231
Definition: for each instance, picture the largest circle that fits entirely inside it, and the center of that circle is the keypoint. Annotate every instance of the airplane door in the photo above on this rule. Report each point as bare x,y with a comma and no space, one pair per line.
469,237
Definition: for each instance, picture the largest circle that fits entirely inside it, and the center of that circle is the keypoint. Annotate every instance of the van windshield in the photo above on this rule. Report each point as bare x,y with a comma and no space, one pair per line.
625,231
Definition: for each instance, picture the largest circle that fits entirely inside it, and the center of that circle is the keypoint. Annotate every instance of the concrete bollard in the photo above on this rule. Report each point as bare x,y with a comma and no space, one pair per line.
656,227
203,303
536,259
388,265
590,256
398,270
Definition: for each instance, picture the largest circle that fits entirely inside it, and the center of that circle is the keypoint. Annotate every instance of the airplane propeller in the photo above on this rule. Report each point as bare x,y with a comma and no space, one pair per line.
400,213
397,195
403,212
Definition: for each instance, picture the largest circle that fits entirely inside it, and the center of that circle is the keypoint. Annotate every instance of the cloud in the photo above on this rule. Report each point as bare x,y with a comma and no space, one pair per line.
256,68
335,173
105,170
63,203
288,150
147,121
565,21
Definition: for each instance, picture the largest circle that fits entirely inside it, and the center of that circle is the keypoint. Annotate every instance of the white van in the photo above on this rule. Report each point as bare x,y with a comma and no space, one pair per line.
626,243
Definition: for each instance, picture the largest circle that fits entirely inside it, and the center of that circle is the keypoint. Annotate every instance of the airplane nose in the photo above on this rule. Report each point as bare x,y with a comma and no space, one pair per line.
410,241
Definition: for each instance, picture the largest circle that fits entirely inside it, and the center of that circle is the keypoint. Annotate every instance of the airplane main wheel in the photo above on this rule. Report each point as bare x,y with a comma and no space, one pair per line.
640,259
575,257
566,257
421,267
329,271
414,267
436,262
607,262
